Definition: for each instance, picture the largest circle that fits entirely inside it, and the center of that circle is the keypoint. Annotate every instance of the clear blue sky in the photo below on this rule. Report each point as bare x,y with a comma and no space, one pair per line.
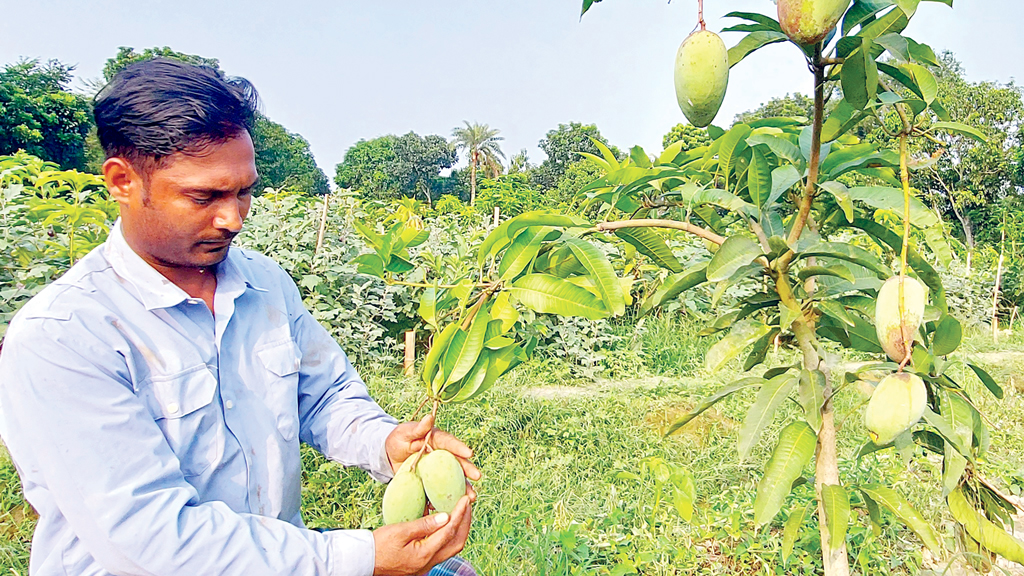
338,71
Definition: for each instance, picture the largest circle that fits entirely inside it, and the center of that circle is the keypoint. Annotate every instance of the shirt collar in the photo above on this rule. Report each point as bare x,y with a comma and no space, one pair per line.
153,288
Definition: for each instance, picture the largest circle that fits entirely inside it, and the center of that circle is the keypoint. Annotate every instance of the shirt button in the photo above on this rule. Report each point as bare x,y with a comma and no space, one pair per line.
173,408
229,404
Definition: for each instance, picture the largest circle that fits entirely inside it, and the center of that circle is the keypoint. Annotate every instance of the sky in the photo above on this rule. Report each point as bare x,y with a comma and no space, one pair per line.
340,71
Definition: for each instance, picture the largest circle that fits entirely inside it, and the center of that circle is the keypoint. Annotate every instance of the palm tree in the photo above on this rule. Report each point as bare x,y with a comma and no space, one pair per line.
481,141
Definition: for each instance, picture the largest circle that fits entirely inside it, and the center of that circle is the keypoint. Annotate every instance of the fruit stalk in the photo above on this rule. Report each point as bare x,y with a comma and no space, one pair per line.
700,14
815,161
905,177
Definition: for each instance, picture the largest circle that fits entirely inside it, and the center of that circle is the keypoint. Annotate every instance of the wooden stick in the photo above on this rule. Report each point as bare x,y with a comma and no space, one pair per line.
323,228
410,351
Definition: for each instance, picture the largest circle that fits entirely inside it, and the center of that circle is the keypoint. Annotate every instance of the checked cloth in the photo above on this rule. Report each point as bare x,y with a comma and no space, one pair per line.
453,567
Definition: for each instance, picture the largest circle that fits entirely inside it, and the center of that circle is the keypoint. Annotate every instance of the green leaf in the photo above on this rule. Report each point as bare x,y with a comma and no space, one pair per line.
812,396
652,245
783,178
859,77
428,307
862,11
779,146
741,335
986,532
587,4
761,19
925,81
504,233
640,158
945,429
842,195
771,395
836,503
437,351
735,253
925,271
522,251
503,310
751,42
759,179
909,7
460,390
842,119
947,337
961,129
849,253
675,285
710,401
790,457
552,295
792,531
896,44
987,380
894,21
733,144
369,264
923,53
835,271
601,272
895,503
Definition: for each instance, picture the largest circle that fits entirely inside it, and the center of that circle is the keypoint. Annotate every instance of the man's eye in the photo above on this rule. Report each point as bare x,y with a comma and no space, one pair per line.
200,201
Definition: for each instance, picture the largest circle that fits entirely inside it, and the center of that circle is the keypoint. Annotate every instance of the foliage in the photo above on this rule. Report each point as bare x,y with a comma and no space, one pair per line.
127,55
481,142
366,168
39,114
283,159
575,178
691,137
49,218
794,105
563,147
512,193
393,166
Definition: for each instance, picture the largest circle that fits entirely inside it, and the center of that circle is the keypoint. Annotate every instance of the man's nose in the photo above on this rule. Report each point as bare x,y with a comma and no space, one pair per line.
229,217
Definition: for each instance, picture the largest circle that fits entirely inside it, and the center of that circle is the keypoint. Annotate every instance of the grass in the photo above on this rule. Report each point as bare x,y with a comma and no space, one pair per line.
564,492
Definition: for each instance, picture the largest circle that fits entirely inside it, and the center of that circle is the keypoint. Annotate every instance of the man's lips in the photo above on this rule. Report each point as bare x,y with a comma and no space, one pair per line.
216,243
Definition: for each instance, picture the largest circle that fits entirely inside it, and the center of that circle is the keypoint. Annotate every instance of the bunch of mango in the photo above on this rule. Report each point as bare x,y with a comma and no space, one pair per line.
437,476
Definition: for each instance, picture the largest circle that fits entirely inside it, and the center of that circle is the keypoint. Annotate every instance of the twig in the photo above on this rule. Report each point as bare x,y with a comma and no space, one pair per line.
658,223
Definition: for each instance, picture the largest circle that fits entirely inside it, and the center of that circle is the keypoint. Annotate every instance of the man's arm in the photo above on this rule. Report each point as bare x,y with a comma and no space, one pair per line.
336,414
84,440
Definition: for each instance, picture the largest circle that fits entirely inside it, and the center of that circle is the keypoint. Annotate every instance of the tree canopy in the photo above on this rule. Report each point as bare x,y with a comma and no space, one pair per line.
563,146
692,136
392,166
39,114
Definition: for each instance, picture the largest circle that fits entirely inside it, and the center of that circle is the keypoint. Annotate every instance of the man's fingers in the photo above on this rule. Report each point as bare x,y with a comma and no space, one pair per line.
471,492
433,543
424,527
452,444
459,536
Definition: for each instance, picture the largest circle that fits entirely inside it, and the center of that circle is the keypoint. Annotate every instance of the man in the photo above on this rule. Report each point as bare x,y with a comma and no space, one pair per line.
154,397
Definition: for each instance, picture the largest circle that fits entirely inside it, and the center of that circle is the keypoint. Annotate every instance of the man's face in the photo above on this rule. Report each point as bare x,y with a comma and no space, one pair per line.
188,211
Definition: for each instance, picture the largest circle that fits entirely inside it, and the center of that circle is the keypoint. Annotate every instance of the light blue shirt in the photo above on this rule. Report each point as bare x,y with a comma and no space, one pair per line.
154,437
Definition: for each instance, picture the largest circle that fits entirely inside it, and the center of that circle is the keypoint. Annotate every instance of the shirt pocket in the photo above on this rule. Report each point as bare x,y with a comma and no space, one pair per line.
182,406
281,362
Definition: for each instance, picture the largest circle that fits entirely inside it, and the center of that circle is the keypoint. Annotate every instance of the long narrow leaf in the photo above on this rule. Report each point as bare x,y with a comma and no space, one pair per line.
552,295
710,401
791,455
771,395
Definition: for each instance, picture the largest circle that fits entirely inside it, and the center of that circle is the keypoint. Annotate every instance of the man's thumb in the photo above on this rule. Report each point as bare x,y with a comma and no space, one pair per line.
424,426
426,526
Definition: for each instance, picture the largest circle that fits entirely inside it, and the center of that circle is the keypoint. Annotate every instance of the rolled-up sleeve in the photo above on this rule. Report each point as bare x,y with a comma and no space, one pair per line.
337,416
86,445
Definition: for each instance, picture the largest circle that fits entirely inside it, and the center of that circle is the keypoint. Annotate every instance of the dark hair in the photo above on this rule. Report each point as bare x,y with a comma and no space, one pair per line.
158,107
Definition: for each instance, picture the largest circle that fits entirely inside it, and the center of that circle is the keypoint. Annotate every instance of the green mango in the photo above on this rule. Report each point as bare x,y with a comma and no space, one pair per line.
810,21
443,479
890,325
701,76
897,403
404,499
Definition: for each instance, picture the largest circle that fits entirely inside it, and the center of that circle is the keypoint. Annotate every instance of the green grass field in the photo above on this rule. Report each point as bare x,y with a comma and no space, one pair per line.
564,491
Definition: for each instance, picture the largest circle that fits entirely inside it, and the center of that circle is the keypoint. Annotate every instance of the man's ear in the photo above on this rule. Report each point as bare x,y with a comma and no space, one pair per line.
123,181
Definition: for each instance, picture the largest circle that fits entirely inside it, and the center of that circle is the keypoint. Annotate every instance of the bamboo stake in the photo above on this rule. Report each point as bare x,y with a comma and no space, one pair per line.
323,228
995,292
410,351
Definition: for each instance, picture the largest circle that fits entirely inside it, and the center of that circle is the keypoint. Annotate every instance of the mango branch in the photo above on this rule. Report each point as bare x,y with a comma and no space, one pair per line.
815,161
659,223
905,178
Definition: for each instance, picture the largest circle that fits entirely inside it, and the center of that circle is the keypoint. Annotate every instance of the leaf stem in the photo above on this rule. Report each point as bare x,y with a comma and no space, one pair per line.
658,223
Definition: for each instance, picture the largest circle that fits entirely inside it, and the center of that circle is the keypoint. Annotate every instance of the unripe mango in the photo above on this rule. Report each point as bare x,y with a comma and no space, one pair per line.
404,500
443,479
702,75
897,403
810,21
888,326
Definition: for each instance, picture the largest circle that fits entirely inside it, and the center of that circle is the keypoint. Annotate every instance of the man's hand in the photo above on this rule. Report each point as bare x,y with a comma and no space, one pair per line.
413,548
407,439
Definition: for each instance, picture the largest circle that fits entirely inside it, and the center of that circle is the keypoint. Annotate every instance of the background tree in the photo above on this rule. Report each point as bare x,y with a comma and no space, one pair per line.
970,178
40,115
520,163
419,161
283,158
481,142
563,146
692,136
789,106
367,168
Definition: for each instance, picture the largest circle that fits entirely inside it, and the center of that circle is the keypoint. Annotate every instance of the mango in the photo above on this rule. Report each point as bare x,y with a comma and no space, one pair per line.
701,76
897,403
810,21
443,479
888,326
404,499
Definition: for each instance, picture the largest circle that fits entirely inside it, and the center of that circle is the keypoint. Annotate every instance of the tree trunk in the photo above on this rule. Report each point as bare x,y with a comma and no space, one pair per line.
472,178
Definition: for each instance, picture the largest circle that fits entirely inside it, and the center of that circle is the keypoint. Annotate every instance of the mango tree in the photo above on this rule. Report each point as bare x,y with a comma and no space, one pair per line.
787,209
